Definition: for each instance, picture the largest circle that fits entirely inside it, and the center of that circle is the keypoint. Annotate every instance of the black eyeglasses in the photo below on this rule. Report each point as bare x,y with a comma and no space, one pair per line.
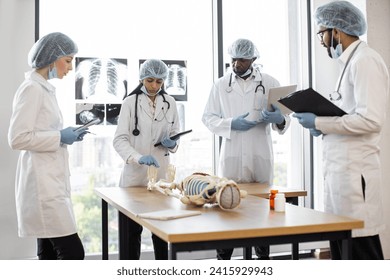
320,34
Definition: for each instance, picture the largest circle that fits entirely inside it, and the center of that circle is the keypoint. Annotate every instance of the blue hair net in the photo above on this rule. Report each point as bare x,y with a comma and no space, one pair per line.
153,68
341,15
50,48
243,48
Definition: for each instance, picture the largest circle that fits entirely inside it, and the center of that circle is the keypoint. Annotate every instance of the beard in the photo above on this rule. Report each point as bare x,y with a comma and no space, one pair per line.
333,43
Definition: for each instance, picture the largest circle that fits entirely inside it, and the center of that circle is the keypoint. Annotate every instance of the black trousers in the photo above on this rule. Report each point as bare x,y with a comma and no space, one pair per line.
262,253
363,248
135,230
61,248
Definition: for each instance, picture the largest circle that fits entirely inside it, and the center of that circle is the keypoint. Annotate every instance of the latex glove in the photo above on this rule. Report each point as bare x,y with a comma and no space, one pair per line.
240,123
148,160
274,116
168,143
70,135
315,132
307,120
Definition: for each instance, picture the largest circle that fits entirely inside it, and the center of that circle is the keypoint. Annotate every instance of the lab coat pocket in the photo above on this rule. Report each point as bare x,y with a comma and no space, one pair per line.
51,174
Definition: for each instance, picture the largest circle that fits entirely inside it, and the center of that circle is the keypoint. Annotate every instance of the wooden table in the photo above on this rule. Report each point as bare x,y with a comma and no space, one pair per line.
251,224
263,190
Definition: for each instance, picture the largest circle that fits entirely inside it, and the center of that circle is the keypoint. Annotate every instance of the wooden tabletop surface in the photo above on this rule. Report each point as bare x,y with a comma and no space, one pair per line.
252,218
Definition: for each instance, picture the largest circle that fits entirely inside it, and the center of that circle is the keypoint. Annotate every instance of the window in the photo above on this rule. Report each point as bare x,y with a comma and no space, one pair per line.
171,30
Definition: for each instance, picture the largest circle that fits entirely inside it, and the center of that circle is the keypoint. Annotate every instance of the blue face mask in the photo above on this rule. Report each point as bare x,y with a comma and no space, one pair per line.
52,73
337,51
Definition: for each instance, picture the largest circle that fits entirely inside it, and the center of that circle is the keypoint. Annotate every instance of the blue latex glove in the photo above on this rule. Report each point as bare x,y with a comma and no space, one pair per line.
148,160
240,123
315,132
70,135
307,120
168,143
274,116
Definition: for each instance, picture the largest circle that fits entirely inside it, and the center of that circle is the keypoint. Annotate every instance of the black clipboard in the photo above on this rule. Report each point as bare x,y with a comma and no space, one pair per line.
310,101
176,136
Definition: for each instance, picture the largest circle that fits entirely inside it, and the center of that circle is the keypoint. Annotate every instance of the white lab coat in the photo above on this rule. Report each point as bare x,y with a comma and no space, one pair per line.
351,142
246,156
152,129
43,195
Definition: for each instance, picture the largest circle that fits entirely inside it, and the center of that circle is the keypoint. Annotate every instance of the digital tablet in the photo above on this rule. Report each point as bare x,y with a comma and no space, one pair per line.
88,124
277,93
176,136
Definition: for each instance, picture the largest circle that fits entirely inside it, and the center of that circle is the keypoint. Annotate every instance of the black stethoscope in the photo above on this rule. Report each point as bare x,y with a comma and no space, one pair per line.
136,131
229,88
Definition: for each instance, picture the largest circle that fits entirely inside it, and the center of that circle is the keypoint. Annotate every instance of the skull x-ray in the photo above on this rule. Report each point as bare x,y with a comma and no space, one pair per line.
86,112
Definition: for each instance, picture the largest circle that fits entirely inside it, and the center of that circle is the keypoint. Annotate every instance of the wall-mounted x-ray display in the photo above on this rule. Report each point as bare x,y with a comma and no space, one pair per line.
86,112
176,83
101,79
101,84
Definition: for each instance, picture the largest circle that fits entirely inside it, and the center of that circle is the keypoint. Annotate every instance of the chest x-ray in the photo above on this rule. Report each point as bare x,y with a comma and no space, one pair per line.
102,80
101,84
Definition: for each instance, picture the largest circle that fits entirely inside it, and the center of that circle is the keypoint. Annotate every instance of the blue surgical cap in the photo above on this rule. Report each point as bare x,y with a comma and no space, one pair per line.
50,48
243,48
341,15
153,68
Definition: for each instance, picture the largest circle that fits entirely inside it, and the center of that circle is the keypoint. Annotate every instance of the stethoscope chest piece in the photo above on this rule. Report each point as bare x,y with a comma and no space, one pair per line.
136,132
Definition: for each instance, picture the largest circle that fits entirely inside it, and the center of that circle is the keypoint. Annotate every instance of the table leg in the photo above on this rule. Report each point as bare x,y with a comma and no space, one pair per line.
295,246
172,252
247,252
123,231
295,251
346,247
104,230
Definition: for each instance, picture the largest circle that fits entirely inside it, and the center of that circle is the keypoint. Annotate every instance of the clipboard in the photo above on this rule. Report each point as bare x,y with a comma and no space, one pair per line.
176,136
169,214
311,101
88,124
274,94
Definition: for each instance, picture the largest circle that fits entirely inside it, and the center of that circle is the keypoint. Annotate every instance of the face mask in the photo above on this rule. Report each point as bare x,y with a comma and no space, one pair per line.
247,72
144,90
337,51
52,73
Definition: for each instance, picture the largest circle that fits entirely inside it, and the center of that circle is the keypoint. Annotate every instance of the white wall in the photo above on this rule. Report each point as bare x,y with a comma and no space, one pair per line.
17,37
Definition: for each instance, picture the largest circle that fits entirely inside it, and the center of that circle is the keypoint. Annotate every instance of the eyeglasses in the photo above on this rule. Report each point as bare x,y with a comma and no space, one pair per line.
320,34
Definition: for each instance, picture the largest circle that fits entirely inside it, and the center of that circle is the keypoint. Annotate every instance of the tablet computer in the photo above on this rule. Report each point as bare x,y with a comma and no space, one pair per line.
176,136
277,93
88,124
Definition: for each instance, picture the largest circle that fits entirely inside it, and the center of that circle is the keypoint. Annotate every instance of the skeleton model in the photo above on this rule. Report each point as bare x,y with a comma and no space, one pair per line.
198,189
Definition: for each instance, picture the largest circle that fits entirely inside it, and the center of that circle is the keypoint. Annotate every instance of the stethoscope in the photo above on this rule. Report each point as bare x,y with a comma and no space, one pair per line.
136,131
336,95
230,88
